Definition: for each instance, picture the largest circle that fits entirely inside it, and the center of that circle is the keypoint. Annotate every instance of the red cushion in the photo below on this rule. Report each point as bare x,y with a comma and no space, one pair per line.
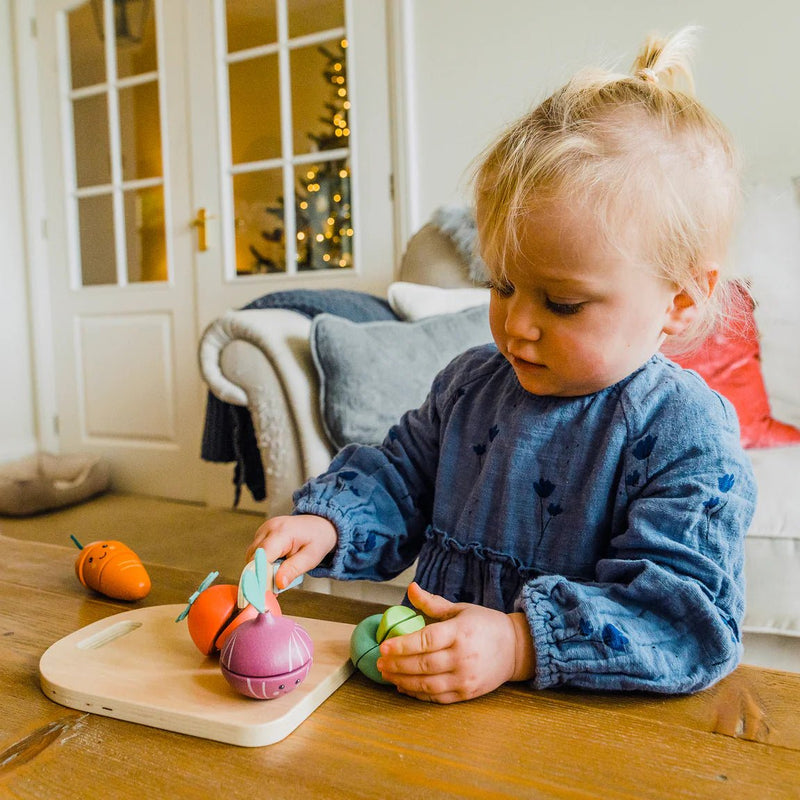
730,362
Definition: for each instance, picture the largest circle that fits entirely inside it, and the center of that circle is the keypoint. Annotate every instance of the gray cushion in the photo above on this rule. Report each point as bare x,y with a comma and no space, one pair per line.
372,372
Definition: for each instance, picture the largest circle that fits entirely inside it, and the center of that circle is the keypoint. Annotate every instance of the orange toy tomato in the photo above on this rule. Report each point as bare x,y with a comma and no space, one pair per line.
210,613
113,569
213,614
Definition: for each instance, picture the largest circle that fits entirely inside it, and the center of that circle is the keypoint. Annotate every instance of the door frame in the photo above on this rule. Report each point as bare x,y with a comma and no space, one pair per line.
35,224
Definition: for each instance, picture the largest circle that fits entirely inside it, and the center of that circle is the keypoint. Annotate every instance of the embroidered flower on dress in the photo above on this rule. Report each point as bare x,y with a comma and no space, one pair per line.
643,449
714,503
614,637
611,636
544,488
480,448
344,481
633,478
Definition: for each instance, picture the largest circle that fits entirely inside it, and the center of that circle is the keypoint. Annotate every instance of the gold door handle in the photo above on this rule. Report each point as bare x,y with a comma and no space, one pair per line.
199,222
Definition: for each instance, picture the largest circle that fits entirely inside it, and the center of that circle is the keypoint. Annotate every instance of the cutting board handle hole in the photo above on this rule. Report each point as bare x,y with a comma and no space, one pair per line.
108,635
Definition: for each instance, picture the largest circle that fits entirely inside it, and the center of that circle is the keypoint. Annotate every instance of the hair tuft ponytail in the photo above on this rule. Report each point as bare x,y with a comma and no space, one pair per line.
664,60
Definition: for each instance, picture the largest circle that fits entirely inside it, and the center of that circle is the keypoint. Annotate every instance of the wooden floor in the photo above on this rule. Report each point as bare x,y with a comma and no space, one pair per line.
184,535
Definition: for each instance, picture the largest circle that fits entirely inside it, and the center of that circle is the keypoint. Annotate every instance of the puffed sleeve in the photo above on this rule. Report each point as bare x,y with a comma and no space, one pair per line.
380,498
664,609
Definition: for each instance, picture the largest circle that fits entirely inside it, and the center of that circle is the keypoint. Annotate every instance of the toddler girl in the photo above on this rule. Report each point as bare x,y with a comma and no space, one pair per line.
577,502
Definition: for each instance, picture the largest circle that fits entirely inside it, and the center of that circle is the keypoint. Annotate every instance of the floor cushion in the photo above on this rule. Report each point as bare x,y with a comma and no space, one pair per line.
44,481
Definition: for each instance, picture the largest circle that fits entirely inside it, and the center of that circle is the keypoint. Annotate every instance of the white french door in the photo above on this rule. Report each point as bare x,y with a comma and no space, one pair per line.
188,172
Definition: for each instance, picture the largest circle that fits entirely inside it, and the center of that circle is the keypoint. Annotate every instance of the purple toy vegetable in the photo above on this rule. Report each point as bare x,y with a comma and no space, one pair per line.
268,655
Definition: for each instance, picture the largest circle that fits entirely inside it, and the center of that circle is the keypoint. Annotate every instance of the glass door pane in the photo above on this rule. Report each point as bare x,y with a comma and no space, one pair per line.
144,234
324,223
319,95
92,143
135,37
250,24
87,53
260,245
310,16
254,101
96,238
140,131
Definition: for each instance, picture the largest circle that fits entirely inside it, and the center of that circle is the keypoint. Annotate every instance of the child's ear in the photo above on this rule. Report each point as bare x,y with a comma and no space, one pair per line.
684,308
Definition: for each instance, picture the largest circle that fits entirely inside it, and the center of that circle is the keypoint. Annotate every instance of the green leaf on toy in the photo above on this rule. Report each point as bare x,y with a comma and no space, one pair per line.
254,584
207,581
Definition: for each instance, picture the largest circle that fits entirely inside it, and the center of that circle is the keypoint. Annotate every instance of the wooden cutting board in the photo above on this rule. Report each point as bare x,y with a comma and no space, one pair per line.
141,666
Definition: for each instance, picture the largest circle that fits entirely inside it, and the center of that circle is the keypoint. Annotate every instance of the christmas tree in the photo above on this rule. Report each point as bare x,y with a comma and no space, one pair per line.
322,196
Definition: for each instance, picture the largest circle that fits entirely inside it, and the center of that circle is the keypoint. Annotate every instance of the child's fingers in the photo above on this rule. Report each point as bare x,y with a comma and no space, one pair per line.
278,538
432,605
302,540
444,698
269,538
251,550
436,663
293,567
299,552
424,687
432,638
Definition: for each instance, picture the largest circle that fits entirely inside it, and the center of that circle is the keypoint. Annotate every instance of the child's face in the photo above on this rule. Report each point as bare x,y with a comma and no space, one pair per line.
576,315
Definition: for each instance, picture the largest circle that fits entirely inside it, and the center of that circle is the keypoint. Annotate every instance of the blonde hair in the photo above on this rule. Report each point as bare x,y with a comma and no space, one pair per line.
627,147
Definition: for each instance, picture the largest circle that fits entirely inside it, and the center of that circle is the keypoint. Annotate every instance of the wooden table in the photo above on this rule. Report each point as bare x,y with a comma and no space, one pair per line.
739,739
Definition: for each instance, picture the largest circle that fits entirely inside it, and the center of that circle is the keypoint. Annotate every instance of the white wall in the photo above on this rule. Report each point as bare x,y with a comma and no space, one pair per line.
17,417
479,64
472,66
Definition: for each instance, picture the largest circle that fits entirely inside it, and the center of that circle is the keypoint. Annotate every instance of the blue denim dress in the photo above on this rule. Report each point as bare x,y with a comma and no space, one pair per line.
615,521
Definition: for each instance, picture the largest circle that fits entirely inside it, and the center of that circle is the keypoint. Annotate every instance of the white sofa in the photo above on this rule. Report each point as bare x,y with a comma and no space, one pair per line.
262,360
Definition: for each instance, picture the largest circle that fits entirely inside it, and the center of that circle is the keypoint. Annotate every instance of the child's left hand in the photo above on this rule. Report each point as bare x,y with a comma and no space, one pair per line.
469,651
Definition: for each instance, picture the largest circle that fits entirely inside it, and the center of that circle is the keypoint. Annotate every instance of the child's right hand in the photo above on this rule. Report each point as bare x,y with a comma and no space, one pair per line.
302,540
